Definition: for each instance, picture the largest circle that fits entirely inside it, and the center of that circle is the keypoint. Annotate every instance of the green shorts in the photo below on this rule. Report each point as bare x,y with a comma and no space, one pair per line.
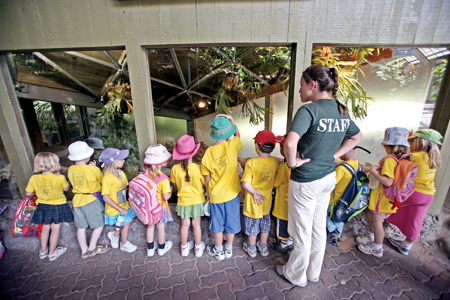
89,215
190,211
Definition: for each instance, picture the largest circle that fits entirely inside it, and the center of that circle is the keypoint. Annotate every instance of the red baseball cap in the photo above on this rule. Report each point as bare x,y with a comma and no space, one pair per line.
281,139
265,136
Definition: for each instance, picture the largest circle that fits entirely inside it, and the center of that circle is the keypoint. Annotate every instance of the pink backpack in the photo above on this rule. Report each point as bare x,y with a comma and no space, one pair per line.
143,199
404,180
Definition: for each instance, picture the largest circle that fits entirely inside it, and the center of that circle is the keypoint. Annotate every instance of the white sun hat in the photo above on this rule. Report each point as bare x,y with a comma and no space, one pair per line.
79,151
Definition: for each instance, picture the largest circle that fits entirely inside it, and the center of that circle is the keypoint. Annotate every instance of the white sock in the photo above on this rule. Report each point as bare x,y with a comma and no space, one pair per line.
378,246
372,235
406,244
228,247
1,244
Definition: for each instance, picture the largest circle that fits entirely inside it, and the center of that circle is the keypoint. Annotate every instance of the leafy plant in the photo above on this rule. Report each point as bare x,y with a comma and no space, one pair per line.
438,75
119,106
350,90
397,70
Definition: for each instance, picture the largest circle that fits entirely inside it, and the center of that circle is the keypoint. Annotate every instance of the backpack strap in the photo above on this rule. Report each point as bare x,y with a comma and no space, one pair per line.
349,167
159,178
389,156
351,170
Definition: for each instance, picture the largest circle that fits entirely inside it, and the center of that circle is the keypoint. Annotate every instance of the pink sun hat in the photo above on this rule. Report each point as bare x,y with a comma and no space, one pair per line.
185,148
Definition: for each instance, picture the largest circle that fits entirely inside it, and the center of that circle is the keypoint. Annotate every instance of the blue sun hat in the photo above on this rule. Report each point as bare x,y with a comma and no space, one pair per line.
221,128
396,136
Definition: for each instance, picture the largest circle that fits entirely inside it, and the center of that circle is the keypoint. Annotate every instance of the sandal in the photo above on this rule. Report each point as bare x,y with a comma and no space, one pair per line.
99,249
85,254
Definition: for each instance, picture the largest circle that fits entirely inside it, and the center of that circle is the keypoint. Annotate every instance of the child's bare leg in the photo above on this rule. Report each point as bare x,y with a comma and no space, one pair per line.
185,223
124,233
263,237
218,239
379,229
161,233
150,233
94,237
81,237
197,230
45,233
54,237
251,239
230,238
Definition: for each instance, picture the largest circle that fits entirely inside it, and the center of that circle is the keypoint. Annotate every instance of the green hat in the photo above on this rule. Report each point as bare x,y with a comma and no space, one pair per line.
429,135
221,128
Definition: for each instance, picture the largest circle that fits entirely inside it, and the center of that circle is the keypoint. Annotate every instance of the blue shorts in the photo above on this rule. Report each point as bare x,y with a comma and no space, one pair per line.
226,216
282,230
111,220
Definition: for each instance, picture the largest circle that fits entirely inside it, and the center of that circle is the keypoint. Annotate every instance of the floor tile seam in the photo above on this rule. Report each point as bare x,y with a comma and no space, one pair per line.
356,293
343,265
173,290
231,291
436,275
390,278
141,283
260,283
184,270
276,285
399,294
73,290
226,268
268,296
24,277
383,264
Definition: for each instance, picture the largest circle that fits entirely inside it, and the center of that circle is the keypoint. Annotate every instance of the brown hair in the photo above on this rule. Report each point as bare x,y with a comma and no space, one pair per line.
328,80
422,145
397,150
46,162
185,163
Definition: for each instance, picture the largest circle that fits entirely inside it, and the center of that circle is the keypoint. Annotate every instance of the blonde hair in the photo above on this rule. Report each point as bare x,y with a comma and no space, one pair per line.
46,162
111,168
152,169
422,145
397,150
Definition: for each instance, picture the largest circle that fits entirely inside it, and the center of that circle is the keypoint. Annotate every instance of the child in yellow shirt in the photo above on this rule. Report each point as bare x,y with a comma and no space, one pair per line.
257,181
220,168
88,211
52,207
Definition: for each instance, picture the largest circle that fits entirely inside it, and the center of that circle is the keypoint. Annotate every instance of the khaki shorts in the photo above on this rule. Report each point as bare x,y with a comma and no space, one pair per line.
89,215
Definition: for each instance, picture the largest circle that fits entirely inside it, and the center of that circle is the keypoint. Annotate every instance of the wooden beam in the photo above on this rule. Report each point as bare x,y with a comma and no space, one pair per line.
67,74
90,58
36,92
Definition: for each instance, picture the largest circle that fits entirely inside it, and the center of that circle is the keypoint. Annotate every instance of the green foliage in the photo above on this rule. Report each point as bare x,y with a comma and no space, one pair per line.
45,116
438,76
350,90
398,71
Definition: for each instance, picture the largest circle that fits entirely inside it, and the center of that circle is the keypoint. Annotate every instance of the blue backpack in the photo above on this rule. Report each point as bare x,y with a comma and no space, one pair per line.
354,199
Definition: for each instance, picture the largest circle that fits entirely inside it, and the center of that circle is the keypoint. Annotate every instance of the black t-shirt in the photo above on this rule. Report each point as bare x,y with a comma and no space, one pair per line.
321,129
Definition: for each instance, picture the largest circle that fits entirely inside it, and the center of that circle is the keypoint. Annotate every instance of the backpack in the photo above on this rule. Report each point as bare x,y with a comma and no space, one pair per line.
22,225
143,199
354,199
405,174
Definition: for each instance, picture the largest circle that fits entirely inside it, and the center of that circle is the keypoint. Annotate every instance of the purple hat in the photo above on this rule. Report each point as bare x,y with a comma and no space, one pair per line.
110,155
185,148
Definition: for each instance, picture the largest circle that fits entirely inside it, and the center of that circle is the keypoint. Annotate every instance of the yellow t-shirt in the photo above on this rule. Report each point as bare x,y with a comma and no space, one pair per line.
281,183
260,173
378,201
425,175
49,189
162,187
115,187
192,192
343,178
85,179
220,161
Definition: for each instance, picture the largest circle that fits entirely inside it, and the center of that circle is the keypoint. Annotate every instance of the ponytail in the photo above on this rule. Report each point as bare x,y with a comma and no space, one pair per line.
328,80
185,164
435,155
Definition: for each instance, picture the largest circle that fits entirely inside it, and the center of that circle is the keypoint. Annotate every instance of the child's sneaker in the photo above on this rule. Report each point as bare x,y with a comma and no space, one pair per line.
364,239
370,249
43,254
166,248
58,252
185,250
263,250
219,255
128,247
250,251
199,249
114,240
151,252
276,245
398,245
228,252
